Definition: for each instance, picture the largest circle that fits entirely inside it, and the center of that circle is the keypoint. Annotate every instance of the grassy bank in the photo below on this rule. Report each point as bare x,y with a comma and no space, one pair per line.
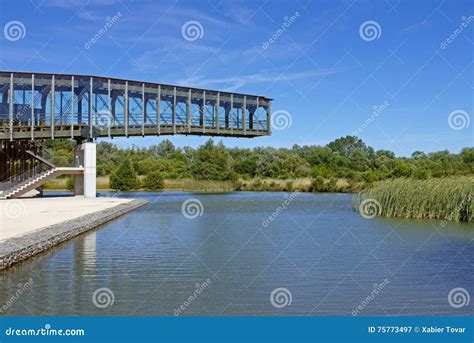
253,185
448,199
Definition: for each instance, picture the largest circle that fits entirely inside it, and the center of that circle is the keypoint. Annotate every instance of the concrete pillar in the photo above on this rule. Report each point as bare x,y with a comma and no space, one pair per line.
85,156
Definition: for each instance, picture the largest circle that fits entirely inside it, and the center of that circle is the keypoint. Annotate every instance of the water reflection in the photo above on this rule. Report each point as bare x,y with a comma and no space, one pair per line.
327,256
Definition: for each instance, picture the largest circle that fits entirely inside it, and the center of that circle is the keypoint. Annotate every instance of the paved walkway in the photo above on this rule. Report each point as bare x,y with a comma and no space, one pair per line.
22,216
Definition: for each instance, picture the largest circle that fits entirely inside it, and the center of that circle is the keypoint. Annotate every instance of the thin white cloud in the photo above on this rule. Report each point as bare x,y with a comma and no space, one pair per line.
235,82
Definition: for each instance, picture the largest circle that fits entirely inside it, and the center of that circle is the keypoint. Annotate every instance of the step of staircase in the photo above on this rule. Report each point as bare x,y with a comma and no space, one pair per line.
19,189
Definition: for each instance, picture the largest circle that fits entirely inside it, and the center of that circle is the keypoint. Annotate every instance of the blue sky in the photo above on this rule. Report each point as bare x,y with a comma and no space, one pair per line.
323,68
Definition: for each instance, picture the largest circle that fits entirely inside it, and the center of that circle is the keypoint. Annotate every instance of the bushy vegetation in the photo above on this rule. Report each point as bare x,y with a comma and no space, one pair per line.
124,178
154,181
344,165
449,199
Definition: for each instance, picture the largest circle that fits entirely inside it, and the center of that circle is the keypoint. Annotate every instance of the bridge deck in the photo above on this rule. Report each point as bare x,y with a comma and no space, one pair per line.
46,106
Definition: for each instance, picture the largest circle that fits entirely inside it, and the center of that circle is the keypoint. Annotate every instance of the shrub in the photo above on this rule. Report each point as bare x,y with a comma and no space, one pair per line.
70,183
124,178
154,181
318,184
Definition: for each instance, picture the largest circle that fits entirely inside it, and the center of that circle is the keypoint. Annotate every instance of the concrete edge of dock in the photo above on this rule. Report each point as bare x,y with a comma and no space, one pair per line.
19,248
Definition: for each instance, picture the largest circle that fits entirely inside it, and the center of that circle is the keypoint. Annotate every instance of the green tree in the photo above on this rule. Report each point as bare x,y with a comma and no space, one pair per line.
347,145
467,155
154,181
211,162
124,178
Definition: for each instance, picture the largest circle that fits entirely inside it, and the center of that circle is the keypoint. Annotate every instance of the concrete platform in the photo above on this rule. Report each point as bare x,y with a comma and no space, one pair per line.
22,216
31,226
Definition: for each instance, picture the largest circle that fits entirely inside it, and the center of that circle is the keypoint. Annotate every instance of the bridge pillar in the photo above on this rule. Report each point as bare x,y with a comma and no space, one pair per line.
85,156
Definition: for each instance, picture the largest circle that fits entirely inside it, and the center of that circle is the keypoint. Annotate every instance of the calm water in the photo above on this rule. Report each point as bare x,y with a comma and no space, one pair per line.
327,257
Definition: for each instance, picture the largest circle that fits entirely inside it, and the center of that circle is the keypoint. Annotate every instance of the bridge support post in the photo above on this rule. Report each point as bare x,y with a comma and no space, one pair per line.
85,184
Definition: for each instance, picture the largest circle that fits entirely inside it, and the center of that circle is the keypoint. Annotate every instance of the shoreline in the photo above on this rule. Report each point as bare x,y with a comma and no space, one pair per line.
22,247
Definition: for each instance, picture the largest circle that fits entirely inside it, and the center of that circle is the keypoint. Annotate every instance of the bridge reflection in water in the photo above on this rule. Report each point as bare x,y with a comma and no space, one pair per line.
47,106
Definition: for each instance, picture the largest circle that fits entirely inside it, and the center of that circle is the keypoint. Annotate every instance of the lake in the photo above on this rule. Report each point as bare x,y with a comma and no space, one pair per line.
247,253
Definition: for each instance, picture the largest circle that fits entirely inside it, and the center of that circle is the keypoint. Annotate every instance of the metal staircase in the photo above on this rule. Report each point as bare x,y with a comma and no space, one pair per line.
36,176
38,180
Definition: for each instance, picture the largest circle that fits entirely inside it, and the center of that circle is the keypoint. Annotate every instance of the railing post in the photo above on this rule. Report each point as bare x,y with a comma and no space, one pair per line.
231,113
244,110
72,106
111,116
174,111
256,111
218,105
32,129
10,107
125,106
91,94
158,109
143,109
203,112
53,106
269,118
188,111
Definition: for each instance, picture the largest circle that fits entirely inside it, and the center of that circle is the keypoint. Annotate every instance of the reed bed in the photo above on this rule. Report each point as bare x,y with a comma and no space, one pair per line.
203,186
448,199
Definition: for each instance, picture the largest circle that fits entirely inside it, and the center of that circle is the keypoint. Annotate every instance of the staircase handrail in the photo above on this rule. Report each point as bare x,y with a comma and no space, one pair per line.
39,158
